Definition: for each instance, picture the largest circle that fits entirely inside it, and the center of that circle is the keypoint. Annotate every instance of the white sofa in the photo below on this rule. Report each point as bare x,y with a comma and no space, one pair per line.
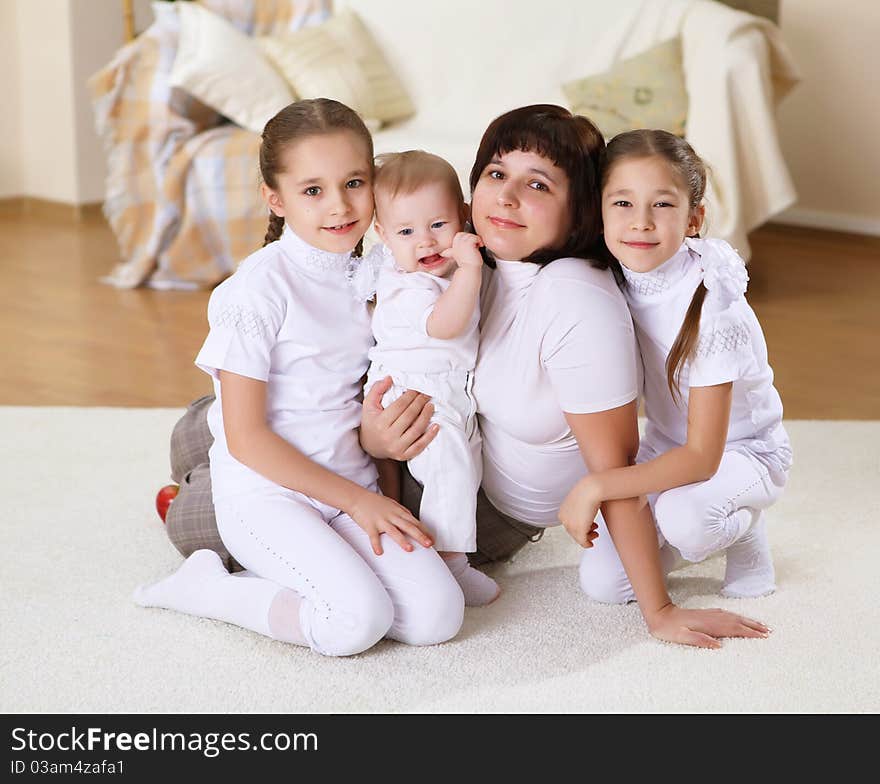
182,188
464,63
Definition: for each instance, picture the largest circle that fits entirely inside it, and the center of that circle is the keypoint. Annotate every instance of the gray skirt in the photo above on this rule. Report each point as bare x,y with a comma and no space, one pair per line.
191,525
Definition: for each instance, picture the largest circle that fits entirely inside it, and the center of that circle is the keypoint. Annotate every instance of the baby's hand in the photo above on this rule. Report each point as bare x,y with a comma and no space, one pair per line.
466,250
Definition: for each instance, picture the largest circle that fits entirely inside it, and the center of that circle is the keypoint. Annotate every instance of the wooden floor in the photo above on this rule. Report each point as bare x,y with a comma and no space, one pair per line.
69,340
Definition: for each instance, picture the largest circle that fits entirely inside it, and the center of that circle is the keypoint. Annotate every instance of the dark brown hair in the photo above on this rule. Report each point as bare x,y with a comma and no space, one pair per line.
574,144
297,121
690,171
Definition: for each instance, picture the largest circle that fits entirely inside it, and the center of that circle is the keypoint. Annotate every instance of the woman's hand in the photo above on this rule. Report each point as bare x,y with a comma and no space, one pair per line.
579,510
400,431
378,515
701,628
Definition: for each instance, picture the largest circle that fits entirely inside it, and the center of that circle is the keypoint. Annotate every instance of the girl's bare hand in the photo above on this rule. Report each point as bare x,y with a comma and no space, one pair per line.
702,628
379,515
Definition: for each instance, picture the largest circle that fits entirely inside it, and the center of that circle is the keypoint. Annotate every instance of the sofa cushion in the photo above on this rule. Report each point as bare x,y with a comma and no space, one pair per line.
645,91
226,70
340,59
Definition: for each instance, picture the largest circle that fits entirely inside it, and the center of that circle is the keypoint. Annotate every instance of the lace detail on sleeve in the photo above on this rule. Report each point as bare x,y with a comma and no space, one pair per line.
723,339
244,320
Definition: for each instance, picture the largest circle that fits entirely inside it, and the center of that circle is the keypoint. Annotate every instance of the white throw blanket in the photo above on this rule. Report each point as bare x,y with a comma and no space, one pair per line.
737,69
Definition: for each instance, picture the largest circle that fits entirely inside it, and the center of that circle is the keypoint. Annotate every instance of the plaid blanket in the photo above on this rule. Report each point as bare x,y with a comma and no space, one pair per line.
182,191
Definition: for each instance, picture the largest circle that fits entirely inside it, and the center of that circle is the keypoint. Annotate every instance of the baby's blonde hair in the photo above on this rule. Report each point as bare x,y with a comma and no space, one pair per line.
403,173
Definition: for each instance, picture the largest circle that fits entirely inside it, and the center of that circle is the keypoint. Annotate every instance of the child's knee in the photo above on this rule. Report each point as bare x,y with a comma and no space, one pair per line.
604,581
689,523
434,617
354,627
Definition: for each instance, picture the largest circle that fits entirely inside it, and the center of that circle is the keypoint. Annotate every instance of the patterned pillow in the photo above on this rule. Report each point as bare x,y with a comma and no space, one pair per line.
645,91
340,59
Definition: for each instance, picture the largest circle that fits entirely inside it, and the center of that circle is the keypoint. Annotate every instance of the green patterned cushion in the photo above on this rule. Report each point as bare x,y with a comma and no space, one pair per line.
645,91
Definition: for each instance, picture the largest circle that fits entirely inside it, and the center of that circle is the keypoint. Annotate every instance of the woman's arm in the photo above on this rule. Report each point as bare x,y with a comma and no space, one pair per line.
696,461
609,439
252,442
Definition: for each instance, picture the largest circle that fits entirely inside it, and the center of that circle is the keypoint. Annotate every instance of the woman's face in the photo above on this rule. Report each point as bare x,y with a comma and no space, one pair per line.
521,204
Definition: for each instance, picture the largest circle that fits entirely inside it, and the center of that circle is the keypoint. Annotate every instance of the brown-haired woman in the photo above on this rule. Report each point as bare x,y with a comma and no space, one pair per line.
556,379
715,454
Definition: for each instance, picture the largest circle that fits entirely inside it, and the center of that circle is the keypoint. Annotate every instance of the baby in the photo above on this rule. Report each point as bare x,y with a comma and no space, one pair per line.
426,326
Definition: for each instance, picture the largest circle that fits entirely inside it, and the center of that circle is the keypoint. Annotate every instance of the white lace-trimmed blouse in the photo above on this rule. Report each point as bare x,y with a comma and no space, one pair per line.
730,348
295,317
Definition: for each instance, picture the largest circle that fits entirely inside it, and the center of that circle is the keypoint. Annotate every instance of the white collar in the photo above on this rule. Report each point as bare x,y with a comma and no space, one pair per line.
314,261
516,275
653,284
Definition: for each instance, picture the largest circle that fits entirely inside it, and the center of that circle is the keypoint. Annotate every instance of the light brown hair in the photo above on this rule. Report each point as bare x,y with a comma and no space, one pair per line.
574,144
297,121
403,173
690,171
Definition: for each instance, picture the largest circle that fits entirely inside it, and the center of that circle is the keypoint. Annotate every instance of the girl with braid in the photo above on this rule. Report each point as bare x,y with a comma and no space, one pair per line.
715,454
330,563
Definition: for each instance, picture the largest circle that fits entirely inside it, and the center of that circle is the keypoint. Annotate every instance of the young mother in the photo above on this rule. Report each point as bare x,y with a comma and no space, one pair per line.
556,380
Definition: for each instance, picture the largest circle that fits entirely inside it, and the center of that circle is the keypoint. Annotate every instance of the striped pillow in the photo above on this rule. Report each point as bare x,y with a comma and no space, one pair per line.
340,59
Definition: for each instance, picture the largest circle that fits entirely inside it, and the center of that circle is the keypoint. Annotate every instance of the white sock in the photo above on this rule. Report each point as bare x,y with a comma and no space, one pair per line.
478,588
203,587
749,570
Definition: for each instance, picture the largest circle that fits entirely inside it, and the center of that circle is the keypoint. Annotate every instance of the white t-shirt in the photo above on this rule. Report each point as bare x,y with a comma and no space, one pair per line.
289,316
404,301
730,347
554,339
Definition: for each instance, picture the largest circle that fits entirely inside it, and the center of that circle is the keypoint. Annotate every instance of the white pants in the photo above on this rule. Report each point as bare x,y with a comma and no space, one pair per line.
350,597
450,469
695,519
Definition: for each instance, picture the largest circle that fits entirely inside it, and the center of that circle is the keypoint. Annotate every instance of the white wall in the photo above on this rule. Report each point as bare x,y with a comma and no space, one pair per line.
10,118
48,50
829,123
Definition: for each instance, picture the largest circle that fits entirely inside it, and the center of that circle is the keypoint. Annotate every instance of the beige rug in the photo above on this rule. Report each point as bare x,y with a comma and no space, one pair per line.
79,532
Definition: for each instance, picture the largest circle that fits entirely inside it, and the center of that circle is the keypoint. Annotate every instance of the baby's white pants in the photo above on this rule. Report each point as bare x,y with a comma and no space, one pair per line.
450,469
698,520
350,597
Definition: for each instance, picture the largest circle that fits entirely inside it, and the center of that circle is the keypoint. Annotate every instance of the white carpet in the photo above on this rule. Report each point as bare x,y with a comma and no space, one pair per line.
79,532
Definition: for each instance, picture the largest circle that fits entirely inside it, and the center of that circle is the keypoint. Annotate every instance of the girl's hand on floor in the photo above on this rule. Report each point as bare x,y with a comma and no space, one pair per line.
702,628
379,515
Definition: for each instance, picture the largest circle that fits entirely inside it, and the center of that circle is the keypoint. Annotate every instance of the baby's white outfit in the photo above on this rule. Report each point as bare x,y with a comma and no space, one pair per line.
705,517
450,468
296,317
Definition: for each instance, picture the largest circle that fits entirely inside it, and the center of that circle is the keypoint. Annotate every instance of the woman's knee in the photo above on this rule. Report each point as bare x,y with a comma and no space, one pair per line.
604,579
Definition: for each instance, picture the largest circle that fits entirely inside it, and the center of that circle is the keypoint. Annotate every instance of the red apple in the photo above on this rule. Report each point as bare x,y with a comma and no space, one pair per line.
164,498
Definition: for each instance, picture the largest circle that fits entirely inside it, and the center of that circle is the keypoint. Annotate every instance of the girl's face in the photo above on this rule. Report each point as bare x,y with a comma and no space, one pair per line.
325,191
521,205
646,213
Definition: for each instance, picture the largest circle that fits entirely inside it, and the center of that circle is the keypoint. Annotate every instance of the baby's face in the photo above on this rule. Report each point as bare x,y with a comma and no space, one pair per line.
417,227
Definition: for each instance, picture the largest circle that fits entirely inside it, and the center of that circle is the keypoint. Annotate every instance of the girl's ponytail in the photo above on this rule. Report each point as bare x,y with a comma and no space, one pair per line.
276,227
685,342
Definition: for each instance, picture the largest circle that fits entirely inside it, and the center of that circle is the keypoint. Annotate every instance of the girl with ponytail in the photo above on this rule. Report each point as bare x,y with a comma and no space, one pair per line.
715,454
296,498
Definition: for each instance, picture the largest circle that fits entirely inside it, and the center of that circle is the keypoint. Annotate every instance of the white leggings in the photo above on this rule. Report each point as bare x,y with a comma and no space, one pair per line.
697,519
350,597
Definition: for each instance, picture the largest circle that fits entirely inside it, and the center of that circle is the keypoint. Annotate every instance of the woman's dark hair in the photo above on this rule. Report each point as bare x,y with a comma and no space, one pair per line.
690,170
574,144
297,121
